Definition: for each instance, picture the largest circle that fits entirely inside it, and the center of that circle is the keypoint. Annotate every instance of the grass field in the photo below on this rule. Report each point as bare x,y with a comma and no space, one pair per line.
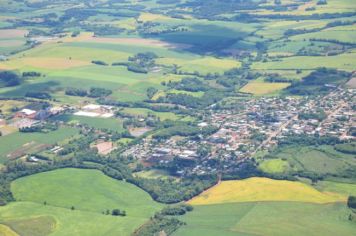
68,222
153,174
263,88
274,166
264,189
87,190
90,192
268,219
95,122
337,187
344,61
321,160
11,142
143,112
203,65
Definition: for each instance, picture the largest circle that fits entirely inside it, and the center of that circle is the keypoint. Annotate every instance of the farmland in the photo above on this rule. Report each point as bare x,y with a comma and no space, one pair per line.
267,218
10,143
263,189
324,160
90,192
179,117
263,88
98,123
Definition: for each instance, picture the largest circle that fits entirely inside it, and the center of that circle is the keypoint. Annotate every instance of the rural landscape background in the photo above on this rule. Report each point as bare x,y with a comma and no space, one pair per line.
177,117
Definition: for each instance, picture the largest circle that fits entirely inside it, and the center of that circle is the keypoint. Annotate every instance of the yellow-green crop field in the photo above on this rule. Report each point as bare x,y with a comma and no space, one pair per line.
264,189
263,88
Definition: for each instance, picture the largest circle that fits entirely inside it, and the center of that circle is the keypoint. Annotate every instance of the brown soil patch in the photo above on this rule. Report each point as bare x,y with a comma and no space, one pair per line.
12,33
352,83
53,63
104,148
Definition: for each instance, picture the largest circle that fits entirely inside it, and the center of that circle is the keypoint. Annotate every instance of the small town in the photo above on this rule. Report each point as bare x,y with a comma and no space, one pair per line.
256,126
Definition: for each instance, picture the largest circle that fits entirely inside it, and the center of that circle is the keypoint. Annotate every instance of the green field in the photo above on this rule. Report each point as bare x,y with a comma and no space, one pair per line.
259,88
321,160
11,142
337,187
90,192
274,166
95,122
344,62
143,112
277,218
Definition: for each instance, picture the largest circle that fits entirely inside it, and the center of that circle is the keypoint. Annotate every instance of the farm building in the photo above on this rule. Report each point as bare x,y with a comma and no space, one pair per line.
26,113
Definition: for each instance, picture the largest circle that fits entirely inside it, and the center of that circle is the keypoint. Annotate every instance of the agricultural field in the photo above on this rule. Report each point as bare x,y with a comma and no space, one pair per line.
264,189
202,103
143,112
322,160
12,40
95,122
267,218
259,88
274,166
19,143
90,192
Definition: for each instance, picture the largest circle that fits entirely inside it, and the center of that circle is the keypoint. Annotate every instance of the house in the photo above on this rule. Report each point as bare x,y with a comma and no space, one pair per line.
26,113
2,122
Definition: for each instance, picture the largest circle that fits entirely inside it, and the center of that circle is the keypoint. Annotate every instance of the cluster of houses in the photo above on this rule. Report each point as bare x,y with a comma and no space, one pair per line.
28,117
339,119
255,125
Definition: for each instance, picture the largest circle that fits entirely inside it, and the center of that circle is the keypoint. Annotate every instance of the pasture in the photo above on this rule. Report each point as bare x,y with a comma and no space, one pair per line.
321,160
269,219
274,166
25,141
263,189
344,61
90,192
67,222
337,187
259,88
95,122
143,112
87,190
12,40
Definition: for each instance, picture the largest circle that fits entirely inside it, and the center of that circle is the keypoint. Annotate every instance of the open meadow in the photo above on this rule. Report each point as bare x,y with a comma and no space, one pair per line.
267,218
75,201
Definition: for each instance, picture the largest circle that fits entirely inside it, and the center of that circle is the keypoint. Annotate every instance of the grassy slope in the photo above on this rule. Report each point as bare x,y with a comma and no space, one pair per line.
268,218
70,222
87,190
90,192
323,160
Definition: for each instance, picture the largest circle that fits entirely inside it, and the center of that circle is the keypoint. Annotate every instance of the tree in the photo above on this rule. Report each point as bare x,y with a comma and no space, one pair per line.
72,208
351,202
